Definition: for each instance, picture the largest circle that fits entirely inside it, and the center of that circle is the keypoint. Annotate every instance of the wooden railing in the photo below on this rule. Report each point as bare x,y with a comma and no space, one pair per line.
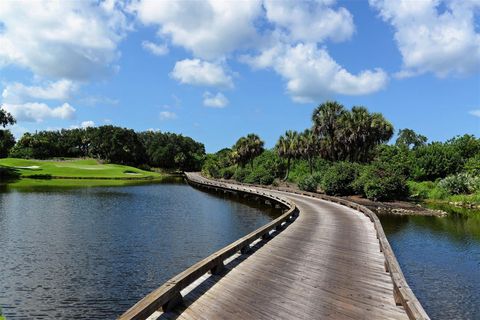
402,292
169,294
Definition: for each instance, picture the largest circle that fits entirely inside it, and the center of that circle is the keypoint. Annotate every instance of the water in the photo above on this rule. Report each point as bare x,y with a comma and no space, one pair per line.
92,253
440,258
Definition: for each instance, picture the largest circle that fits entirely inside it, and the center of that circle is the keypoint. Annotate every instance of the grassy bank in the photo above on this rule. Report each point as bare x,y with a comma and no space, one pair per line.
35,174
431,192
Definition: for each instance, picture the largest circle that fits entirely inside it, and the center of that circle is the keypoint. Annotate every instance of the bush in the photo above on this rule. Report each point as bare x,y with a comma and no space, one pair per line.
240,174
260,175
308,183
426,190
210,167
381,181
338,178
462,183
228,172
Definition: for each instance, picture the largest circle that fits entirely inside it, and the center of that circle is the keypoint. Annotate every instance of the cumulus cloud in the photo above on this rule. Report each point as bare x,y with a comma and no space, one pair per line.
37,112
201,73
18,93
312,74
167,115
310,21
214,100
156,49
61,39
433,35
86,124
210,29
475,113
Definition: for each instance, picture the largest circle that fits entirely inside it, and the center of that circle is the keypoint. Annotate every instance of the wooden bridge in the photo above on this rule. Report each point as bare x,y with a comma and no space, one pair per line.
323,258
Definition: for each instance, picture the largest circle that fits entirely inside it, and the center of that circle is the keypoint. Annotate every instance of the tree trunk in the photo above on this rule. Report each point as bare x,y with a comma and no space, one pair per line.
288,170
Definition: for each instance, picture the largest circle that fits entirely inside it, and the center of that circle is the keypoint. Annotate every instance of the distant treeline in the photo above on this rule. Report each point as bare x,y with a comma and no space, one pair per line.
108,143
345,152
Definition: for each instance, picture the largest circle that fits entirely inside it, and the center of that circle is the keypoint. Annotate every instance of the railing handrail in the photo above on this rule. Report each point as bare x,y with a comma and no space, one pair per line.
170,290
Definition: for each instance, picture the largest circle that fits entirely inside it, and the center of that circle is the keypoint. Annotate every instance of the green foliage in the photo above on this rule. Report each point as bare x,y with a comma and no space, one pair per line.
172,151
338,178
246,149
472,166
115,145
381,181
6,118
461,183
436,160
7,141
308,183
426,190
407,138
349,135
259,175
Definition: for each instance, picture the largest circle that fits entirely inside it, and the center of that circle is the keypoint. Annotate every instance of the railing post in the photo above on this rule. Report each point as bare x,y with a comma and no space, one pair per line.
218,268
174,302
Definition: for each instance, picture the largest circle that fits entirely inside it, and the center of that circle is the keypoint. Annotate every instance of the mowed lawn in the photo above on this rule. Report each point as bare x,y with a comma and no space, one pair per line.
83,168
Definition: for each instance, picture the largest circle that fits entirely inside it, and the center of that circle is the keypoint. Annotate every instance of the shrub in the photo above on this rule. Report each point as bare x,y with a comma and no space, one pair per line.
240,174
382,181
426,190
260,175
308,183
338,178
210,167
228,172
460,183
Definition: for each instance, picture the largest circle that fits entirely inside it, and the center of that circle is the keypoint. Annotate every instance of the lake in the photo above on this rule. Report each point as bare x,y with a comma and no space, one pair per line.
440,257
93,252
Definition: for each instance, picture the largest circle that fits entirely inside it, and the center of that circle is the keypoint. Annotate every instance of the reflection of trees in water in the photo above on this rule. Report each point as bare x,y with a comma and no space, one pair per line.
461,224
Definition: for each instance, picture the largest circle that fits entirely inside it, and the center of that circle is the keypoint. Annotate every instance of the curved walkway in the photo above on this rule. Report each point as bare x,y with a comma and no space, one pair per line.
325,265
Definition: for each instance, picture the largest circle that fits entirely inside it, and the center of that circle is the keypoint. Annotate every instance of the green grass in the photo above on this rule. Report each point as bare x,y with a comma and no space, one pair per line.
76,169
431,191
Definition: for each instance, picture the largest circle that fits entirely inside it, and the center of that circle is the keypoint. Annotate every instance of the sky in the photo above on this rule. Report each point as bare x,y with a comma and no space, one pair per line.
217,70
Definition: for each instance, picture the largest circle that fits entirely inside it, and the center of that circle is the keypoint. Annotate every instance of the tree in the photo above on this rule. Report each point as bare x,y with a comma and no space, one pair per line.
288,148
325,125
349,135
410,139
6,118
246,149
7,141
308,146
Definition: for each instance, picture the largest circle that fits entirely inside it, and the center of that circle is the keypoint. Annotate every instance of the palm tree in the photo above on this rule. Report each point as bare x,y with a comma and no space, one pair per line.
287,147
246,149
325,125
308,146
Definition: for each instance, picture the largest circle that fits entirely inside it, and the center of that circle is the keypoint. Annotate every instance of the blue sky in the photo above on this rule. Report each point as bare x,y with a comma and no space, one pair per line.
216,70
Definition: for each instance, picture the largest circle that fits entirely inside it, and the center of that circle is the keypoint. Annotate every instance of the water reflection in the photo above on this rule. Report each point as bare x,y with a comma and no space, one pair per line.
441,261
93,252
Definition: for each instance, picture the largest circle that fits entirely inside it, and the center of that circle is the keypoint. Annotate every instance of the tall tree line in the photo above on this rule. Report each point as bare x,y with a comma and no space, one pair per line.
113,144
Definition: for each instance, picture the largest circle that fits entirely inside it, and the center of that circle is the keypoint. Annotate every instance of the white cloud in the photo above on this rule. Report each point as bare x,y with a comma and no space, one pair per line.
201,73
167,115
215,101
312,74
18,93
433,35
37,112
156,49
475,113
88,123
210,28
310,21
61,39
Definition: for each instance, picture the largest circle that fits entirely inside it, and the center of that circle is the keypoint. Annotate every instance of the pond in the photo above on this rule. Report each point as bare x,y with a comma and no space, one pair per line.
93,252
440,257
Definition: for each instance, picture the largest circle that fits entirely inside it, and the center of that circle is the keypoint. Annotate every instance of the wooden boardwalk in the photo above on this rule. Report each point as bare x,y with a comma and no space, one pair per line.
327,264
